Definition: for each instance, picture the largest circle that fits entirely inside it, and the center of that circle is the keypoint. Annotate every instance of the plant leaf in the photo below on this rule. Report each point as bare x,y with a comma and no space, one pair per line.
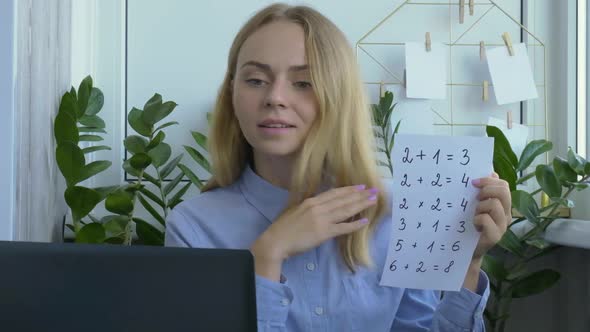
65,129
95,102
81,200
524,203
69,106
532,151
95,148
167,124
198,157
140,161
160,154
177,198
172,184
166,170
70,159
115,227
136,122
91,130
511,243
90,138
120,202
84,94
91,233
534,283
200,139
191,176
92,121
152,196
505,170
92,169
156,140
576,162
152,179
154,110
494,267
129,169
548,181
135,144
563,171
105,191
148,234
160,113
152,211
501,145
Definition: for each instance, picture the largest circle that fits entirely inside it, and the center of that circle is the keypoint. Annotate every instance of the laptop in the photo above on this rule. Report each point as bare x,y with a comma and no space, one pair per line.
85,288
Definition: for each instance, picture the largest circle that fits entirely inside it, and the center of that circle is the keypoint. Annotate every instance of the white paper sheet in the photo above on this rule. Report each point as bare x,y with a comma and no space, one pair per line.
432,237
415,114
426,72
512,77
517,136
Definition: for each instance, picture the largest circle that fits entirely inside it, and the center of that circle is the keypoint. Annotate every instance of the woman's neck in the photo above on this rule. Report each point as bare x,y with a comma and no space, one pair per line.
275,170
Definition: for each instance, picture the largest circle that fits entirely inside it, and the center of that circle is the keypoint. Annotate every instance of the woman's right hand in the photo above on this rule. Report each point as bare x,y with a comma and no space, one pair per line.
306,226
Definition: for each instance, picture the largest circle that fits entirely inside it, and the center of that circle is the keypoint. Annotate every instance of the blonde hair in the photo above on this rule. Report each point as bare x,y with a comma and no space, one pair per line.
340,142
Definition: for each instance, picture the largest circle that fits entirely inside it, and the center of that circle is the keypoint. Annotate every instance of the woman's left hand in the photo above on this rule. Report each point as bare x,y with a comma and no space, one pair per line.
493,214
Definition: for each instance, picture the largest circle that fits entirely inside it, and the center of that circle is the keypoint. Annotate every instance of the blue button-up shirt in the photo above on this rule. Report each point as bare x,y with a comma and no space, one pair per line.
318,292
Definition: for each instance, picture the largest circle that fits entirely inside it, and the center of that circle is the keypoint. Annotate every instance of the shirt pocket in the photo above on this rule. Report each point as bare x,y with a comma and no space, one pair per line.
371,305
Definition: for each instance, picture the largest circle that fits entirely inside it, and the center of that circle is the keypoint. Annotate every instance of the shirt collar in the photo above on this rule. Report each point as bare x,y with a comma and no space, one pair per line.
267,198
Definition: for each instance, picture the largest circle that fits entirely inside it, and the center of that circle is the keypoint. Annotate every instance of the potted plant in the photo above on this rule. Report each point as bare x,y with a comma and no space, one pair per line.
78,123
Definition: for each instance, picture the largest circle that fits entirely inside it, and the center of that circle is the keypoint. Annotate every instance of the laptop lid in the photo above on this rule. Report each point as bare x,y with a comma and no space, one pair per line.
82,287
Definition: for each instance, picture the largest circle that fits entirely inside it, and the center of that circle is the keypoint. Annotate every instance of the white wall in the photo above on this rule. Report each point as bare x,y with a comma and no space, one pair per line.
7,79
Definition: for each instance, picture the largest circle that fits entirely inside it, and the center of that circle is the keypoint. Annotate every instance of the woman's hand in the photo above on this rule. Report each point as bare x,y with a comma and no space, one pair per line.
493,214
309,224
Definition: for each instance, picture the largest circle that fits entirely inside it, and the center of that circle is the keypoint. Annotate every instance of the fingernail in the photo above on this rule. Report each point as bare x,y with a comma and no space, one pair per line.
364,221
373,197
476,182
361,187
373,191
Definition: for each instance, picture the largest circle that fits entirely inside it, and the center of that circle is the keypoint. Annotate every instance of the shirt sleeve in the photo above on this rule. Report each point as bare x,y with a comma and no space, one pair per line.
422,310
273,301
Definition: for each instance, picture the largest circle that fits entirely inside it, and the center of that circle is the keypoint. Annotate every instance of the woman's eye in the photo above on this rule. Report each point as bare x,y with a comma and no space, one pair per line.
302,84
255,82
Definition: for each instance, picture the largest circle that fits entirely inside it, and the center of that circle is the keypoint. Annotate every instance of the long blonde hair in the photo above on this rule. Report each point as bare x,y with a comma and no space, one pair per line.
339,143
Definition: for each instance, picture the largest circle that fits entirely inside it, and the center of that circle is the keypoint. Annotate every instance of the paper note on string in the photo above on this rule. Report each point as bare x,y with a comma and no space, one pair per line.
512,77
426,71
432,236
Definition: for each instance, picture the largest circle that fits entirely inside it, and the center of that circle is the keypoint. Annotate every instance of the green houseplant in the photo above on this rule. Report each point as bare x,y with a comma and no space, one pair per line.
150,163
509,264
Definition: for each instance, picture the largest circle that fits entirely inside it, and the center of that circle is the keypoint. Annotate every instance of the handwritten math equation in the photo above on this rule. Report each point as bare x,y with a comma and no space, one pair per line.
432,235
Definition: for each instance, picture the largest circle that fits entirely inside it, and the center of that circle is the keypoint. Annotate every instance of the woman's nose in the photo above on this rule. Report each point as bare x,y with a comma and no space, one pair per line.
277,94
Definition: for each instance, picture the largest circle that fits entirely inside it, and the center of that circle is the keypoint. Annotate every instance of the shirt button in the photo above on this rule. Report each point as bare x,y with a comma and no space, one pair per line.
285,302
310,266
319,311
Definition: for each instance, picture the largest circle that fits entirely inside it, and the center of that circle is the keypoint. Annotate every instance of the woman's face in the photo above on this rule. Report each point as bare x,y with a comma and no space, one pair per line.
273,99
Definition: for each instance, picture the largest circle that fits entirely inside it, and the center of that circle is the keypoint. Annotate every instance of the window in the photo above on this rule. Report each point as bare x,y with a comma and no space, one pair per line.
582,119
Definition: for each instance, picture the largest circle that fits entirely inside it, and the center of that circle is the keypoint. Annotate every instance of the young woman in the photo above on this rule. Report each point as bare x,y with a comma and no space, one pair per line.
295,181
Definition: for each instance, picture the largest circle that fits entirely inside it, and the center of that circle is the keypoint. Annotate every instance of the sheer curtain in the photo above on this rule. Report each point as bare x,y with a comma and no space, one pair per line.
43,74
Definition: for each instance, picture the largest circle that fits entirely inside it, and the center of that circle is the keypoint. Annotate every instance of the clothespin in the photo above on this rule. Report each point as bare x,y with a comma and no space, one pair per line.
508,43
461,11
485,93
509,119
482,51
428,42
381,90
471,7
